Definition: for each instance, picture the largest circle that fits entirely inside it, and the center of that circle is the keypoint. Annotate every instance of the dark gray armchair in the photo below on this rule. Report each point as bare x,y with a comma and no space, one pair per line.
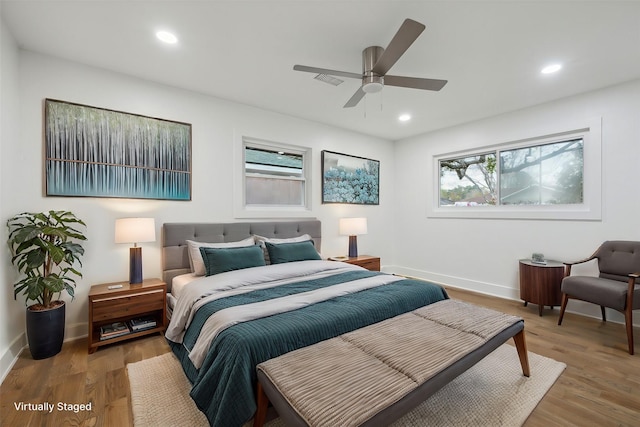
617,287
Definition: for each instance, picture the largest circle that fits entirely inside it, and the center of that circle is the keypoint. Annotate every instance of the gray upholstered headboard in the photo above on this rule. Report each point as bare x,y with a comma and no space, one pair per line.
175,258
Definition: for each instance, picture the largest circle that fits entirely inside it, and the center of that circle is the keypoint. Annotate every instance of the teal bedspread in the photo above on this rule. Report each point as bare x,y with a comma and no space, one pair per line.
223,388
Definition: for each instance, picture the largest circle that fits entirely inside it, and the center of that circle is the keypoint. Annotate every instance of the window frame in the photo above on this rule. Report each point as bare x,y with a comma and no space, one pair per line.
589,210
241,209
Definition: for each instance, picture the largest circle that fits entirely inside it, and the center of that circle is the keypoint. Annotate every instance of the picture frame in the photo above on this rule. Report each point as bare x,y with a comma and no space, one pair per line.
350,179
97,152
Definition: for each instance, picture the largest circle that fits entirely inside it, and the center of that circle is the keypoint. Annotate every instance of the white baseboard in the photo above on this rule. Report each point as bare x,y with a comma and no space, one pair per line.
10,357
500,291
457,282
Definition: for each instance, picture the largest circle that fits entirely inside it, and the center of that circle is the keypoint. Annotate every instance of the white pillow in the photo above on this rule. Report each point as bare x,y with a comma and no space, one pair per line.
260,241
195,257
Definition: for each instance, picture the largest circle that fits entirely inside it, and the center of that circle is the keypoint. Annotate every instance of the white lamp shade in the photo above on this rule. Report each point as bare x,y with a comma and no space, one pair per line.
135,230
353,226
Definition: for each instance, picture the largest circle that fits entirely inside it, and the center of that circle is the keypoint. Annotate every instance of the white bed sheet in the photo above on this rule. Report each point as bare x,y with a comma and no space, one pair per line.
179,282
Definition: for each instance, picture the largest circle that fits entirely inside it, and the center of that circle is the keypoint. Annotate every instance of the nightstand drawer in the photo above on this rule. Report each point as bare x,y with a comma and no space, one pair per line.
372,264
365,261
112,307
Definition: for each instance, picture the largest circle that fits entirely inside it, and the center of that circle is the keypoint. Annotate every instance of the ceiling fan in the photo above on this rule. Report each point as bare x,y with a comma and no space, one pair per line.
377,61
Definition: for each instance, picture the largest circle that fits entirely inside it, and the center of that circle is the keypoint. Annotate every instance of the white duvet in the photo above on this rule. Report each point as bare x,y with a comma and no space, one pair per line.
206,289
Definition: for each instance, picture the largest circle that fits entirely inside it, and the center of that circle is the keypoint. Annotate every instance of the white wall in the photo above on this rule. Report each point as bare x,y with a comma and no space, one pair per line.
12,325
476,254
482,254
214,122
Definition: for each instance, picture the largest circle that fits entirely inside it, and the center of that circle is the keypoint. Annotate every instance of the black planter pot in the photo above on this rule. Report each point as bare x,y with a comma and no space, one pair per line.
45,331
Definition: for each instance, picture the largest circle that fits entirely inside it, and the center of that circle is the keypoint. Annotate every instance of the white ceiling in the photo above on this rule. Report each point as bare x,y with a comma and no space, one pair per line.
490,51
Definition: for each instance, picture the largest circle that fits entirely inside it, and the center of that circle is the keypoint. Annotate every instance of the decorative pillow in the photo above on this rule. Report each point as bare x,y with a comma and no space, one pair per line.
288,252
195,257
260,240
220,260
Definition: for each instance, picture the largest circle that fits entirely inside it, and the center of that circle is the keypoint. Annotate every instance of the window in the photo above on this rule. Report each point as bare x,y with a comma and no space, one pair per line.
542,175
534,175
468,181
537,178
274,179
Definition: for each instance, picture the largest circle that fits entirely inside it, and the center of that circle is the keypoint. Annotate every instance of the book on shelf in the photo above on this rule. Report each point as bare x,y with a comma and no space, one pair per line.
113,330
140,323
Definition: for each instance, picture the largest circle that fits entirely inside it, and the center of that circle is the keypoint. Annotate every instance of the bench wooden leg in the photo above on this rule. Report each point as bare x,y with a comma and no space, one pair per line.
261,411
521,346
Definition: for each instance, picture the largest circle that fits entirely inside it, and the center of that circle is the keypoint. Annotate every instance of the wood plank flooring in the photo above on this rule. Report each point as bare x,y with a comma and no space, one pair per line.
600,387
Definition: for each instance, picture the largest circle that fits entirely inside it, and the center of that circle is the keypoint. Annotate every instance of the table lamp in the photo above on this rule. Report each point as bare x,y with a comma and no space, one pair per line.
352,227
135,230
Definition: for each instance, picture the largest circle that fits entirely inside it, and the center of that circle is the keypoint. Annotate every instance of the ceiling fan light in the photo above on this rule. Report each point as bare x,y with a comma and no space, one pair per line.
373,87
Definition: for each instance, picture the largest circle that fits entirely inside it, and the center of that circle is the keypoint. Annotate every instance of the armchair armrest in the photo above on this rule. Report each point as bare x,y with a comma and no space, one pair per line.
567,265
581,261
633,278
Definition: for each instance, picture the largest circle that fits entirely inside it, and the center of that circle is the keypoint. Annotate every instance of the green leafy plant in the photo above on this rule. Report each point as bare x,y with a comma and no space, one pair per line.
43,248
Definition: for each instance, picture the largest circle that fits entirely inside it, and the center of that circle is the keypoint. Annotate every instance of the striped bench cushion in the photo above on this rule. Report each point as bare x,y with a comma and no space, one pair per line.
348,379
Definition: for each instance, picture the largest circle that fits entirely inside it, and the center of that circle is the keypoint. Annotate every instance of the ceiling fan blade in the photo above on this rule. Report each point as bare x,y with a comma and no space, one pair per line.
355,98
406,35
327,71
414,82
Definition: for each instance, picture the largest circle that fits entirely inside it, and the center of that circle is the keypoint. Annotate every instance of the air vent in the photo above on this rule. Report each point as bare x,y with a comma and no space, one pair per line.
328,79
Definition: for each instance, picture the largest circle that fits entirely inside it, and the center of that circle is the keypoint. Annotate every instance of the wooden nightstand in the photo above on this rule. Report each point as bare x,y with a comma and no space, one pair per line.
366,261
121,304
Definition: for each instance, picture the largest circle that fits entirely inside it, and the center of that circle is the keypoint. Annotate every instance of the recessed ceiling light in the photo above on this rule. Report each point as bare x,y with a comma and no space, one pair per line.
549,69
404,117
167,37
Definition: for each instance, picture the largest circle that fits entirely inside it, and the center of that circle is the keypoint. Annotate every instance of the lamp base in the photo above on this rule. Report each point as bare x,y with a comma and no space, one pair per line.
135,265
353,246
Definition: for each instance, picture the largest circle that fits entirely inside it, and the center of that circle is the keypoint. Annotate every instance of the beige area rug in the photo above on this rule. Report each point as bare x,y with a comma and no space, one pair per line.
492,393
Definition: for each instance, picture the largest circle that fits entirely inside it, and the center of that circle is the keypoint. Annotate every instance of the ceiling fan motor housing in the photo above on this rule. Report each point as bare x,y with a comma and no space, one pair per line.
371,82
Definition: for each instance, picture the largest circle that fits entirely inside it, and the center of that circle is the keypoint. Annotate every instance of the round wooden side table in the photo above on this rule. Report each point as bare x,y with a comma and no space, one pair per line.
540,283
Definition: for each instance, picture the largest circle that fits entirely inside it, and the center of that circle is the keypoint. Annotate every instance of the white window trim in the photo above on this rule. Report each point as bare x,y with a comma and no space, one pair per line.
240,210
589,210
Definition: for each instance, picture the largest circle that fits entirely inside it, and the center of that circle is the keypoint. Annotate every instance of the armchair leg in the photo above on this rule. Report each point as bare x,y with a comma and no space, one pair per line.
565,299
604,316
628,317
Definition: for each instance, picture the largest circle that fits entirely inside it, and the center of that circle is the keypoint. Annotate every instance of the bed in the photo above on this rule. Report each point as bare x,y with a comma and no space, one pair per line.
227,322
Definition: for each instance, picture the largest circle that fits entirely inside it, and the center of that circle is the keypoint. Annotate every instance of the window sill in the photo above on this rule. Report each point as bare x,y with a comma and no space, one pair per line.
549,212
274,212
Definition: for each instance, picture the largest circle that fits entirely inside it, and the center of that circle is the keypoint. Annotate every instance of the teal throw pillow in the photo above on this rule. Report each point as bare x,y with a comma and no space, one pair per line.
220,260
288,252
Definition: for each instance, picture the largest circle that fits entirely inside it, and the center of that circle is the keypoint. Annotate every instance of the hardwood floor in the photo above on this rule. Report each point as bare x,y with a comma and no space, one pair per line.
600,387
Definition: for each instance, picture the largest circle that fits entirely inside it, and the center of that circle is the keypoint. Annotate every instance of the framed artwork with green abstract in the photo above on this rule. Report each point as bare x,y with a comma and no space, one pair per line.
350,179
96,152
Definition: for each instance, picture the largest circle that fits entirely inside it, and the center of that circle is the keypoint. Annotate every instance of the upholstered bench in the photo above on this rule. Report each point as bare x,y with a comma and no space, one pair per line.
374,375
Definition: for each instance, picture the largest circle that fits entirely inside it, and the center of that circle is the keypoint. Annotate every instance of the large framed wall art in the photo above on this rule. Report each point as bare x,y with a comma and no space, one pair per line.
350,179
95,152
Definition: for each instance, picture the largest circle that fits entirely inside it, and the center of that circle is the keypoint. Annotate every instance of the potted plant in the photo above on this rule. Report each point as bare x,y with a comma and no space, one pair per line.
44,249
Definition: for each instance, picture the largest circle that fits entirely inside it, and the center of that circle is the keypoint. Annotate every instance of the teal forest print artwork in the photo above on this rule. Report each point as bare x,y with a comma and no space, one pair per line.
350,179
95,152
